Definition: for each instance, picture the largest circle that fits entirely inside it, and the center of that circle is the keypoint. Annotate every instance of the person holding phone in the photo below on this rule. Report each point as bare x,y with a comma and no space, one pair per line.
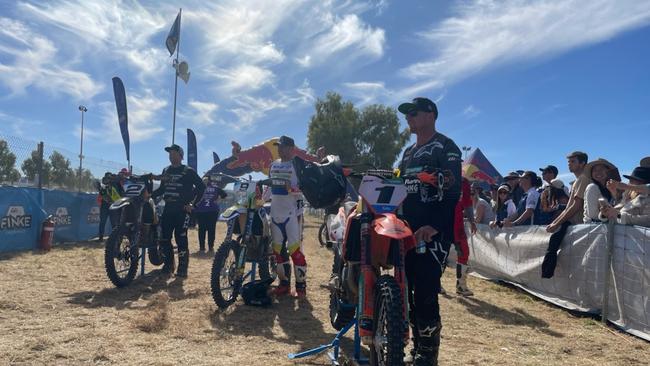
599,172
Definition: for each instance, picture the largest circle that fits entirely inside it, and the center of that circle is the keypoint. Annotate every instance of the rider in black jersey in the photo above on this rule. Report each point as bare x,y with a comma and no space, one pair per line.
181,189
431,220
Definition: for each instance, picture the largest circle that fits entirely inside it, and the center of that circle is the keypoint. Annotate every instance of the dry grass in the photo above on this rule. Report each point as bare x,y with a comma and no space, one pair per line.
60,309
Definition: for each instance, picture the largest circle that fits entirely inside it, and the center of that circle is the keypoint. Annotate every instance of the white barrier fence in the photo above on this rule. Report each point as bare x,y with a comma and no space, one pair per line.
515,255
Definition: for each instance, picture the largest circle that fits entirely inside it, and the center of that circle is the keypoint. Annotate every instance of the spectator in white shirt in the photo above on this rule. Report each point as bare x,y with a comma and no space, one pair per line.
599,172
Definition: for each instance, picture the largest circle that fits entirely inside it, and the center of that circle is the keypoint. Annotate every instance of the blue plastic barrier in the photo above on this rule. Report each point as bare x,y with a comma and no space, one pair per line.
20,219
22,210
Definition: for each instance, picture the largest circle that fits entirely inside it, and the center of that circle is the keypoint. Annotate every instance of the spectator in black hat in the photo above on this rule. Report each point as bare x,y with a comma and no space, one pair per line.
549,173
512,180
573,214
634,209
529,202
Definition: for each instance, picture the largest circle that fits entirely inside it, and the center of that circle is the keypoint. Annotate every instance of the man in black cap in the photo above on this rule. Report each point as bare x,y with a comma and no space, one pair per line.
285,217
432,222
512,180
181,189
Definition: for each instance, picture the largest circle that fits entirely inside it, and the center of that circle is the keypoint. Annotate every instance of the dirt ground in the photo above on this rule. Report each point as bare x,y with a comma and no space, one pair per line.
59,308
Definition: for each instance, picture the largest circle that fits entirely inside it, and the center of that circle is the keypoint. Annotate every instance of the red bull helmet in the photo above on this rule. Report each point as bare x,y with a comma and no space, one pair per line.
323,185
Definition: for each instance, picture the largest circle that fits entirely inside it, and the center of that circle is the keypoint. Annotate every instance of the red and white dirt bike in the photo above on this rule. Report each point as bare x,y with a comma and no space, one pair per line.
369,279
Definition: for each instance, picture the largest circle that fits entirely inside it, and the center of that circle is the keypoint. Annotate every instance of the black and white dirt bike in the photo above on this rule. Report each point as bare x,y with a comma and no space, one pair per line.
137,230
247,243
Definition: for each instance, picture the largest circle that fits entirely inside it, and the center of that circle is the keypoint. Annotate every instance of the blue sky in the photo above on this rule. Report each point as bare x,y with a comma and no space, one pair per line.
526,81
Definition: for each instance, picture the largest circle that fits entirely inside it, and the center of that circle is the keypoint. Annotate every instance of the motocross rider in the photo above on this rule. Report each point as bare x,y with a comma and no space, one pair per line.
432,222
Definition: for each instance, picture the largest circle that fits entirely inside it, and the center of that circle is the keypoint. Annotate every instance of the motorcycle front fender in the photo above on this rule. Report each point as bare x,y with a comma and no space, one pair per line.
390,226
230,213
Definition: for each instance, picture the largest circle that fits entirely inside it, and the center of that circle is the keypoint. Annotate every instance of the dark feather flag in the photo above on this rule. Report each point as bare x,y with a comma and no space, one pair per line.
120,103
215,158
191,150
174,35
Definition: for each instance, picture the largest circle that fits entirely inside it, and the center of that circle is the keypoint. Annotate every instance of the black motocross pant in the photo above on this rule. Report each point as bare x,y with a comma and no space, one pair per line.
207,224
175,222
423,273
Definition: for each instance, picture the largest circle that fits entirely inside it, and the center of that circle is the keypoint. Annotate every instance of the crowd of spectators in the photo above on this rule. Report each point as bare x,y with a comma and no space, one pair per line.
597,195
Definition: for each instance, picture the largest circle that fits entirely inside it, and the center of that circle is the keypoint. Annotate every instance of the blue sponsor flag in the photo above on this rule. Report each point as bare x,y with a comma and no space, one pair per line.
120,103
191,149
174,35
215,158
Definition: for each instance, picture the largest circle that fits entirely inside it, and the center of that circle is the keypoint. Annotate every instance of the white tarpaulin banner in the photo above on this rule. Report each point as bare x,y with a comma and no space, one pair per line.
515,255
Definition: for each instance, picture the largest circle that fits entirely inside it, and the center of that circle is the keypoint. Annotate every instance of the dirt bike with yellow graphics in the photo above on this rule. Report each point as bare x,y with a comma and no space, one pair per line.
246,247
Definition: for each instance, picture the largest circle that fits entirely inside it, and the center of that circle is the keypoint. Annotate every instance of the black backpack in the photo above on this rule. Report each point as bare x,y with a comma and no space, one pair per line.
323,185
256,293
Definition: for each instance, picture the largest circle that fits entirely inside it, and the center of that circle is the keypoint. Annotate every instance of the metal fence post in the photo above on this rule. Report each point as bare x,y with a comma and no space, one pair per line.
39,167
608,270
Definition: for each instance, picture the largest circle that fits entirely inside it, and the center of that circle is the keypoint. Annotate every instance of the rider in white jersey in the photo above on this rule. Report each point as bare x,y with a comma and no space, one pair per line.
286,212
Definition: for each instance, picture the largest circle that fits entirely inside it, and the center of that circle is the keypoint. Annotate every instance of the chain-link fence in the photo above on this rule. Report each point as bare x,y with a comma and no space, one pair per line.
28,163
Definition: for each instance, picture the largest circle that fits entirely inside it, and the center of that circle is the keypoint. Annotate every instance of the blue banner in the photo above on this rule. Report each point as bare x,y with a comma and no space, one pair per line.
20,219
191,150
120,103
65,210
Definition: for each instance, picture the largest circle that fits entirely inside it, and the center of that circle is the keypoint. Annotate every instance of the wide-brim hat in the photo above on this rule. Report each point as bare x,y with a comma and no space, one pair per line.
640,173
599,161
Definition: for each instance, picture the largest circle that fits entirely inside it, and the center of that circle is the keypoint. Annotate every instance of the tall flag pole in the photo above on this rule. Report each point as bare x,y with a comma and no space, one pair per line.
173,43
122,117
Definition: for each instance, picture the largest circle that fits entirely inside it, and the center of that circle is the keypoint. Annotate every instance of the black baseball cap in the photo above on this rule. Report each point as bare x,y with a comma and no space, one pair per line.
549,168
175,147
511,176
419,104
285,141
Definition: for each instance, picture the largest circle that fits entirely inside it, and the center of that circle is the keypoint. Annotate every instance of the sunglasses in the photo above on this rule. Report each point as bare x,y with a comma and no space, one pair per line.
413,113
503,192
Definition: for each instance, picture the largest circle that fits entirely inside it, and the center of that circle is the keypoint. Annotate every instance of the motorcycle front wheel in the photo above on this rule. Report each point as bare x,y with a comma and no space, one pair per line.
121,257
226,279
389,324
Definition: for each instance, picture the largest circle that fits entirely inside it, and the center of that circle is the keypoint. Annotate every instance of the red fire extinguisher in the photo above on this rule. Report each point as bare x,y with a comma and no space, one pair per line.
47,234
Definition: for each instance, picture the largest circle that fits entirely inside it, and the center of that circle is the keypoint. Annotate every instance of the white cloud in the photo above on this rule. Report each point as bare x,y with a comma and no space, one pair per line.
470,112
202,112
368,92
349,34
485,34
119,30
242,78
36,64
143,110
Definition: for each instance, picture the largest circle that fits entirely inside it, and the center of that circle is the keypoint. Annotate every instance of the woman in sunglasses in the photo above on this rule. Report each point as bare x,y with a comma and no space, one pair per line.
505,208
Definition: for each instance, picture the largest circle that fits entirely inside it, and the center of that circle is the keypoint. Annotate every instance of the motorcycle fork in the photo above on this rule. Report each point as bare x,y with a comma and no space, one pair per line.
248,229
399,273
367,279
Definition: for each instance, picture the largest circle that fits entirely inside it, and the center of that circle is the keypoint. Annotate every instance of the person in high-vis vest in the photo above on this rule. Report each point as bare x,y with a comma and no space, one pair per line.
109,192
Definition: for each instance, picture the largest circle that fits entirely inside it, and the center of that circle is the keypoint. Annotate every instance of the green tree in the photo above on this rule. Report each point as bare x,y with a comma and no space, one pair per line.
87,180
370,136
61,175
334,126
30,168
380,140
8,172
